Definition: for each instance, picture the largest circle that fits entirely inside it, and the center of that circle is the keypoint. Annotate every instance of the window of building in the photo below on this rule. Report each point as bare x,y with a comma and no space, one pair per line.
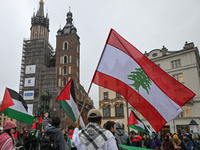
0,123
139,115
186,111
118,95
77,62
59,82
4,118
176,63
65,70
70,59
69,69
154,54
106,111
105,95
119,110
178,77
35,31
61,60
42,32
65,45
0,118
65,59
59,70
64,82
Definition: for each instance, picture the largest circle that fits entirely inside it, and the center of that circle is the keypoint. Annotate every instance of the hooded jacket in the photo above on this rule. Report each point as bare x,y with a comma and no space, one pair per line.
122,137
155,142
59,140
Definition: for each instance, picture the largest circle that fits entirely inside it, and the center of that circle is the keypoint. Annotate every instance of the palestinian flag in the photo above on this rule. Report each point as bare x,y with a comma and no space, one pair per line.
15,107
34,127
150,90
41,120
15,135
66,99
135,123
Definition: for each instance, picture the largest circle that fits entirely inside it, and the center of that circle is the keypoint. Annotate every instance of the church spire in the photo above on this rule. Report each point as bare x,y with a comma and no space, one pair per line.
41,10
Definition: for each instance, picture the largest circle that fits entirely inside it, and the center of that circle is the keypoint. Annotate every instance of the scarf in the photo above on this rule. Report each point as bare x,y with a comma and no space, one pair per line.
94,136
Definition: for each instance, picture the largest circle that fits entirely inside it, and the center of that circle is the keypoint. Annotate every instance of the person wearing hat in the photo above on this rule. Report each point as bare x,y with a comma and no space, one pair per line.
6,139
93,136
177,143
186,141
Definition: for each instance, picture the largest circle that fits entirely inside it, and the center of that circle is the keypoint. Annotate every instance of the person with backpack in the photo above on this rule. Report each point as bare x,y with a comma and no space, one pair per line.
53,138
6,139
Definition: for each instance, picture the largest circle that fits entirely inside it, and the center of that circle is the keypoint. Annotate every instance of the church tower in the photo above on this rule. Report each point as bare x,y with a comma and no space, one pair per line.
67,55
40,24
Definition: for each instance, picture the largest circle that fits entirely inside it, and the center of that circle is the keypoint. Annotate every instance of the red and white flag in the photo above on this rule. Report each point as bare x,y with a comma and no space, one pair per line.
125,70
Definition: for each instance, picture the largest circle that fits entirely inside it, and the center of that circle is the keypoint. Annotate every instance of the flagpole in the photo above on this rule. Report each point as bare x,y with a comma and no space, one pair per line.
84,101
51,106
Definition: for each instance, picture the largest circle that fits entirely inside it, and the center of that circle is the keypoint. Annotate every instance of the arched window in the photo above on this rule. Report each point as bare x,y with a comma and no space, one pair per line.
119,110
65,45
65,59
65,70
106,111
59,70
69,69
35,31
42,32
70,59
59,82
64,82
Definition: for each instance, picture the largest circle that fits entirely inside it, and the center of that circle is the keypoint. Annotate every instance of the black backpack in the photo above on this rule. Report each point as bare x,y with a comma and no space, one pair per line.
47,141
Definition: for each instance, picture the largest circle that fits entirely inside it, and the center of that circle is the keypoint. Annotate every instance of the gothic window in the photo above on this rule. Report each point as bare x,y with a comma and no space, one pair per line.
119,110
65,45
65,70
61,60
65,59
70,59
42,32
106,111
69,69
59,70
64,82
35,31
59,82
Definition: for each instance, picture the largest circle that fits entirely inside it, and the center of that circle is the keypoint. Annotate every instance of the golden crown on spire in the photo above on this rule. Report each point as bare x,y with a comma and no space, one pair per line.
41,1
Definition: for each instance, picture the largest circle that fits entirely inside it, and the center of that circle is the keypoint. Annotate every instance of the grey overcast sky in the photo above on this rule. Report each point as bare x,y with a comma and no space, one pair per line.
147,24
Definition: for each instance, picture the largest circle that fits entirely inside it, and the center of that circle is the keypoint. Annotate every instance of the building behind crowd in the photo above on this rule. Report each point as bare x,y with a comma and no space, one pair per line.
45,71
183,65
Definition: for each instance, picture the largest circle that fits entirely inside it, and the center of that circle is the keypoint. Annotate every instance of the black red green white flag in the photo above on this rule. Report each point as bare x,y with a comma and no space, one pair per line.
135,123
40,120
34,127
66,99
14,106
150,90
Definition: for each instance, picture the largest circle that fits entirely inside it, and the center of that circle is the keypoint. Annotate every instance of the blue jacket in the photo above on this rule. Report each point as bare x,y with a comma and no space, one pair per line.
155,142
188,144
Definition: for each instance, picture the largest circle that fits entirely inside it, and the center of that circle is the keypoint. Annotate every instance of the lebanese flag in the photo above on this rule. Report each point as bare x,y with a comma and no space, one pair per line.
40,120
135,123
155,94
14,106
34,127
66,99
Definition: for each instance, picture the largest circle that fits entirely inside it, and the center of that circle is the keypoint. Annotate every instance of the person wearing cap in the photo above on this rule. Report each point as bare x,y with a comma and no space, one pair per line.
93,136
186,141
6,138
177,143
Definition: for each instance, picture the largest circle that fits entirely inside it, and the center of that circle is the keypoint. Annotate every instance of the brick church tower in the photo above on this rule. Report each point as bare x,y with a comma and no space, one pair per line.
67,63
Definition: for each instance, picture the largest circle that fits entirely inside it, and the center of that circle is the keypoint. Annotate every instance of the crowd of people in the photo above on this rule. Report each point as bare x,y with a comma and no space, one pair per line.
93,136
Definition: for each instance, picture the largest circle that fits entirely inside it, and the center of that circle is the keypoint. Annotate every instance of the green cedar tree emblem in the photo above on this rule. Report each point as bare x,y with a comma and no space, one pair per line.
140,79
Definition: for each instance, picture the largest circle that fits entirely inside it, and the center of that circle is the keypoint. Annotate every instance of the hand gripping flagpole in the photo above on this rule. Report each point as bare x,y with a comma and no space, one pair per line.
84,101
51,107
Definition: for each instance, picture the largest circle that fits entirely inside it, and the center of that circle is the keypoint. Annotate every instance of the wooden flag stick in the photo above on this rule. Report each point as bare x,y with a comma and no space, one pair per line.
51,106
84,101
